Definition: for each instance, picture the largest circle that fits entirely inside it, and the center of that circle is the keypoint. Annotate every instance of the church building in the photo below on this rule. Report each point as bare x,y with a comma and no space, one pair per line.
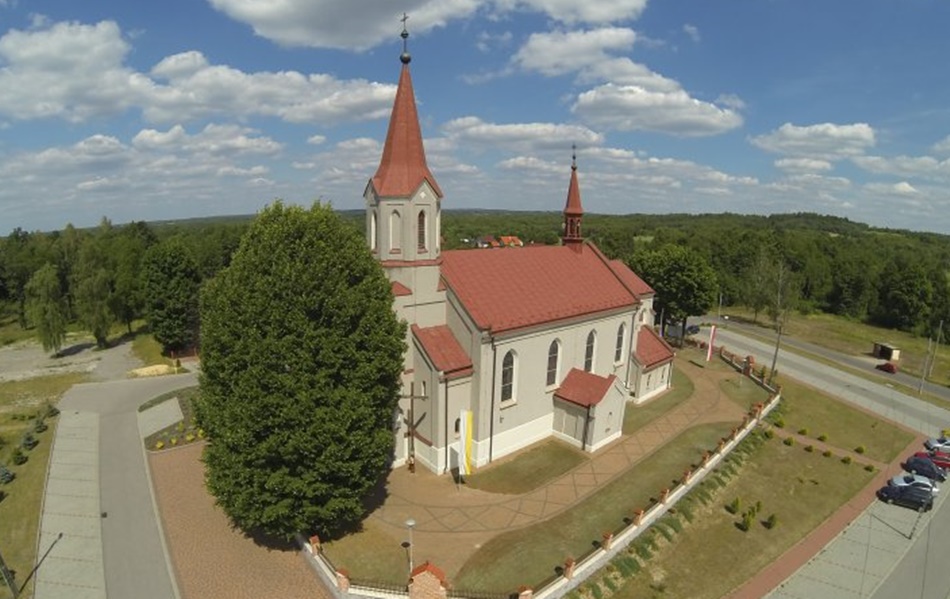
533,341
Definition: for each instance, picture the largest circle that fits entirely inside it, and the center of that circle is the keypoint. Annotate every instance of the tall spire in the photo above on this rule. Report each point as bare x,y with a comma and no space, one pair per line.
573,211
403,168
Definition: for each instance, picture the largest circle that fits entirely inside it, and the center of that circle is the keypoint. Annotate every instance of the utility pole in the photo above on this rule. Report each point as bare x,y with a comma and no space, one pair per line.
779,317
923,370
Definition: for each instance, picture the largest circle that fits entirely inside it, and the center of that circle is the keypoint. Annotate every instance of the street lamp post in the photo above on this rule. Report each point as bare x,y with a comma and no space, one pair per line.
410,524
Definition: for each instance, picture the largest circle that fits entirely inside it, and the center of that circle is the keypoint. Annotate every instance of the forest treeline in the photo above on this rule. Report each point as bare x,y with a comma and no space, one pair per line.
120,273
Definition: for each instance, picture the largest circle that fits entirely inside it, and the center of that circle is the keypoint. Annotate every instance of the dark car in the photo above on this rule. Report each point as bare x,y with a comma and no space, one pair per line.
937,457
692,329
887,367
926,467
913,497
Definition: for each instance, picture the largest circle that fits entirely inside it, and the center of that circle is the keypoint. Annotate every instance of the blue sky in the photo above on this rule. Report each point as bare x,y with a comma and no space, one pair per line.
141,110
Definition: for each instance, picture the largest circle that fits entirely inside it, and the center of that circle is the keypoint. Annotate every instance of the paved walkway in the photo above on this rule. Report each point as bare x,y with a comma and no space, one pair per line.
99,499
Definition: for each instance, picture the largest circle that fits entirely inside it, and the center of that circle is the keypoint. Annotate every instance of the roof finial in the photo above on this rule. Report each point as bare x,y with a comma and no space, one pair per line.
405,57
573,157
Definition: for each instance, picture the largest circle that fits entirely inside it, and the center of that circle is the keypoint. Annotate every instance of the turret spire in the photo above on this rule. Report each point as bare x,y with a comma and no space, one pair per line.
573,211
403,168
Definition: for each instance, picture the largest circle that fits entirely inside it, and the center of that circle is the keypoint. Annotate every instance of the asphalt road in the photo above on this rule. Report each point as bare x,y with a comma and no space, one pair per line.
922,571
133,554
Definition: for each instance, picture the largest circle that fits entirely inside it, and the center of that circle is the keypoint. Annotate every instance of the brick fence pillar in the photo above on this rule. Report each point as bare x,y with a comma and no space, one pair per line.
638,518
664,495
343,580
315,544
525,592
687,476
427,582
705,458
608,541
569,564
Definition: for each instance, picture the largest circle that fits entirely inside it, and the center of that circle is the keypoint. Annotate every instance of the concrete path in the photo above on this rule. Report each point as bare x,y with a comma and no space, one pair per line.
99,497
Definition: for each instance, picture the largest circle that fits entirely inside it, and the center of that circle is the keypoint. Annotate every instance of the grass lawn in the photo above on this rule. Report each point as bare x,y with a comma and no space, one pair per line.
529,470
530,555
387,566
712,556
805,407
636,417
20,403
146,349
742,391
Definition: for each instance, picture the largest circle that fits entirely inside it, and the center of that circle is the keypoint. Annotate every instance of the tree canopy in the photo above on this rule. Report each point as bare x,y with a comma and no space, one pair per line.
46,307
301,362
171,283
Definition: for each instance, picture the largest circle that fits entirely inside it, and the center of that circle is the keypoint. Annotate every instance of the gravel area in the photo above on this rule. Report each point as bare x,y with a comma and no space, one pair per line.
210,558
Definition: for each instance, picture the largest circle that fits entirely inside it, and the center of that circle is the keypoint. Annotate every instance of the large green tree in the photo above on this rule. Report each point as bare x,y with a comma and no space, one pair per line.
684,282
171,284
46,307
301,362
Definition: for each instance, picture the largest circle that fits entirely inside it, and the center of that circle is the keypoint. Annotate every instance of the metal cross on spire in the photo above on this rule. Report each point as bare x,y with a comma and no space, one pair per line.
405,58
574,157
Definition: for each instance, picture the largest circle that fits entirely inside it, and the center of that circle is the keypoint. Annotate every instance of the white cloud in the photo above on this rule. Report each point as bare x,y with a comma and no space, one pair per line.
731,101
562,52
76,72
925,167
942,146
489,41
573,11
520,136
316,140
629,107
824,141
692,31
802,165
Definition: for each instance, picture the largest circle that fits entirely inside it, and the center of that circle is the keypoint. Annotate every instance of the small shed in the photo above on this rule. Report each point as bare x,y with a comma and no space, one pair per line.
886,351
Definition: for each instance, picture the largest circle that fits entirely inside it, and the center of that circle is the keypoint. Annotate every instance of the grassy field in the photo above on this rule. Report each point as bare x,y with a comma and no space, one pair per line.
531,468
185,430
743,392
636,417
21,402
806,409
713,556
530,555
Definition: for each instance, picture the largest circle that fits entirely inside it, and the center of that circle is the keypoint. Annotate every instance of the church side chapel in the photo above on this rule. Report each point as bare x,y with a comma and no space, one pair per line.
509,346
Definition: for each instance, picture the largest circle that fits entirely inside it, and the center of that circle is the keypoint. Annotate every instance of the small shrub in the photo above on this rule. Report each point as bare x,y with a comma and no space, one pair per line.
788,441
687,512
826,453
51,411
779,422
173,441
19,458
771,522
5,475
189,437
160,445
29,441
860,450
734,506
664,530
628,566
39,426
869,467
610,584
846,460
822,437
180,427
809,448
758,507
768,434
746,523
803,431
201,433
596,591
674,523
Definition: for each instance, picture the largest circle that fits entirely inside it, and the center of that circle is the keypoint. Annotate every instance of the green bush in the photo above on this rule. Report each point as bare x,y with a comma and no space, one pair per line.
788,441
758,507
860,450
822,437
827,453
779,422
747,519
19,458
803,431
29,441
846,460
771,522
734,506
39,426
869,467
809,448
768,434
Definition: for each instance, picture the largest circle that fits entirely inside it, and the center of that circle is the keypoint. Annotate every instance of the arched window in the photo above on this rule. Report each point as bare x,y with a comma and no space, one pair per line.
618,353
422,231
395,232
372,232
554,358
589,355
508,377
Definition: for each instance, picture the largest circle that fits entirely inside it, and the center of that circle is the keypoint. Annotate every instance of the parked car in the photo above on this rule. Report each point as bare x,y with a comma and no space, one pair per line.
914,480
692,329
915,498
889,367
941,443
925,467
937,457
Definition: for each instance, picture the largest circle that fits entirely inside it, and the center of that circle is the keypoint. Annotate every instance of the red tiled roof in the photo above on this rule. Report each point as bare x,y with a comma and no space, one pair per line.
444,350
633,282
403,168
400,289
428,567
652,350
538,284
584,388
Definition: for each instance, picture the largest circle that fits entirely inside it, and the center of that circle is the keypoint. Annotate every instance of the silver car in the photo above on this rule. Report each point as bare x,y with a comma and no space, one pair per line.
914,480
941,443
